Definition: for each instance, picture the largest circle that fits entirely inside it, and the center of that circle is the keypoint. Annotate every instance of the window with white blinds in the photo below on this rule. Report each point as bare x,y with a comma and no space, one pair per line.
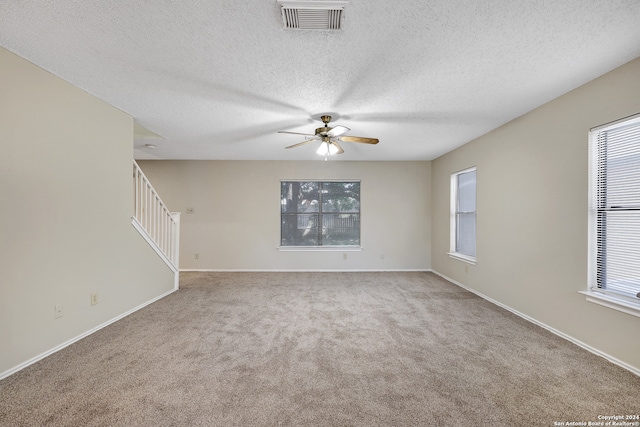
615,211
463,215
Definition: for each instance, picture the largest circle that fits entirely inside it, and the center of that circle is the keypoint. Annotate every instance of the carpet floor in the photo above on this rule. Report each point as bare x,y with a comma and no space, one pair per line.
319,349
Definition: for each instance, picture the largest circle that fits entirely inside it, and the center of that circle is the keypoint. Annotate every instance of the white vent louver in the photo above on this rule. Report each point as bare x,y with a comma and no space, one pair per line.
312,15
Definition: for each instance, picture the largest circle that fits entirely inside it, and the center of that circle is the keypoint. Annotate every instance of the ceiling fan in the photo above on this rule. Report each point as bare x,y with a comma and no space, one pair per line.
330,138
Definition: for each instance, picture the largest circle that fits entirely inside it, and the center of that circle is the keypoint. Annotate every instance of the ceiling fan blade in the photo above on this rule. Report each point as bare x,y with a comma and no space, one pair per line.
296,133
337,131
340,150
300,143
359,139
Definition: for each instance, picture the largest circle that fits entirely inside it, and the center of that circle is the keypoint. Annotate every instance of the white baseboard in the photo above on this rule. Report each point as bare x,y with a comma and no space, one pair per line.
79,337
577,342
221,270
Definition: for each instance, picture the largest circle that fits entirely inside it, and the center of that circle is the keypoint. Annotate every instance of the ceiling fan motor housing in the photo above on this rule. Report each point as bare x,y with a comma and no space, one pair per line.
323,130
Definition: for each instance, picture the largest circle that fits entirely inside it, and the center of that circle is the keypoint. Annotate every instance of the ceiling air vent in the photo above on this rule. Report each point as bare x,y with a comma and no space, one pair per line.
312,15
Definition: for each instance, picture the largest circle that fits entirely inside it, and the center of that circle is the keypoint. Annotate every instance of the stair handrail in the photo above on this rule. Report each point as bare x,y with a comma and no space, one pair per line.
160,224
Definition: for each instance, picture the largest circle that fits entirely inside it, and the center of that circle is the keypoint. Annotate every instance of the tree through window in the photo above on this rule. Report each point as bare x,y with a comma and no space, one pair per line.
320,213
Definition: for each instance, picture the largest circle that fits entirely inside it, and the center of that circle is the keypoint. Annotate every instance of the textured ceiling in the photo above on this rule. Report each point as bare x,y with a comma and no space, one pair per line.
216,79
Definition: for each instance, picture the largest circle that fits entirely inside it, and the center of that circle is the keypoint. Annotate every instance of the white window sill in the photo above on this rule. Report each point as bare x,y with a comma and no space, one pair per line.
617,303
320,248
463,257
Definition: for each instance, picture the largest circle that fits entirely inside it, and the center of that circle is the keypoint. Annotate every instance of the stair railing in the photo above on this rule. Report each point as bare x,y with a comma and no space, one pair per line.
153,218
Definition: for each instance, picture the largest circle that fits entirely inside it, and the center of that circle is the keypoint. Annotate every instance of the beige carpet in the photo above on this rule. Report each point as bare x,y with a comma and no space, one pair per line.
318,349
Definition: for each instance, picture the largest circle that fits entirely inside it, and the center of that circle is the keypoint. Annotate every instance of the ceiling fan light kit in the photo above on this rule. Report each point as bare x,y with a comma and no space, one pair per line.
327,149
330,138
312,15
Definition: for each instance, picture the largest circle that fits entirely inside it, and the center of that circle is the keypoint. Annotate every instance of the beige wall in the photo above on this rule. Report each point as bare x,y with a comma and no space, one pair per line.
532,214
65,222
237,213
532,218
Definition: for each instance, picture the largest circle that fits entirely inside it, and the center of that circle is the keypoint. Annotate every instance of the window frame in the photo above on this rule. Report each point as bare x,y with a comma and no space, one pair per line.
595,293
454,214
322,248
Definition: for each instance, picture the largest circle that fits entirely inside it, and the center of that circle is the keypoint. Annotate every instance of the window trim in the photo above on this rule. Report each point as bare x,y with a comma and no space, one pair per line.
323,248
320,248
593,293
462,257
452,218
620,303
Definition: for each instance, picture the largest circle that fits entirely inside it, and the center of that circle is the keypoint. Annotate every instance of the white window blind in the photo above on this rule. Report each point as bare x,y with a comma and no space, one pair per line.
615,209
463,214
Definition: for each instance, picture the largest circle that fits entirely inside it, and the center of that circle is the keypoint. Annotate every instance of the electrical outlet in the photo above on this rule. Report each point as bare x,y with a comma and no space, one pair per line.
344,256
94,299
381,256
191,210
58,311
197,255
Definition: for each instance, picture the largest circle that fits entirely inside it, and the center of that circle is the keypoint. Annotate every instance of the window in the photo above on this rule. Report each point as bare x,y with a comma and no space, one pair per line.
320,213
614,215
463,215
